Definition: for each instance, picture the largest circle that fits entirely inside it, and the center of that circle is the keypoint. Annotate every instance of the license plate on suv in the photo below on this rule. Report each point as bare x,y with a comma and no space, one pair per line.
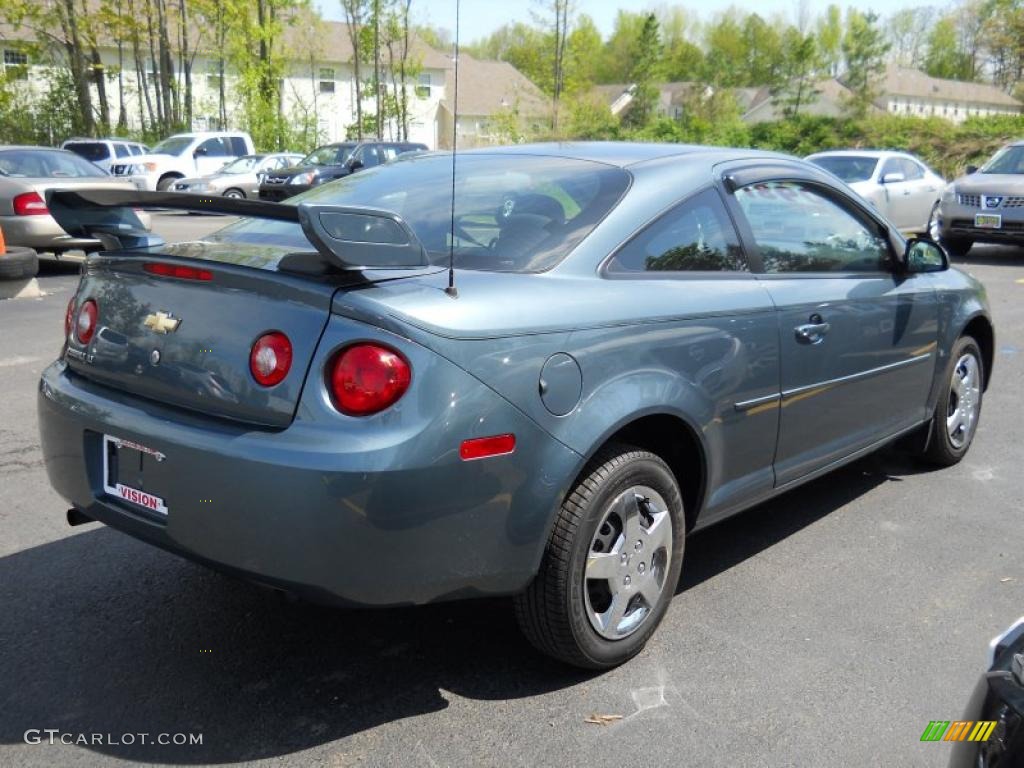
988,220
123,465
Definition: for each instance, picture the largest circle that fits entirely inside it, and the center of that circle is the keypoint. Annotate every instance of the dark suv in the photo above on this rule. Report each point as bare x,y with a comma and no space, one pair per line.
330,162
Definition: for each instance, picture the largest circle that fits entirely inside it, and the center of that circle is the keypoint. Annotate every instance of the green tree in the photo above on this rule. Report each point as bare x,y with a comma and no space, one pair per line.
944,57
795,88
864,51
645,74
621,49
829,39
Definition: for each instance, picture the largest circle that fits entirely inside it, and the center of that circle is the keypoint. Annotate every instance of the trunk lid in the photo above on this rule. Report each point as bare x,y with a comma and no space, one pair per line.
202,363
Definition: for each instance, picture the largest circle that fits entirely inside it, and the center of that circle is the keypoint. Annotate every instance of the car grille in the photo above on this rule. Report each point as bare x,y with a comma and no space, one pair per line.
120,169
974,201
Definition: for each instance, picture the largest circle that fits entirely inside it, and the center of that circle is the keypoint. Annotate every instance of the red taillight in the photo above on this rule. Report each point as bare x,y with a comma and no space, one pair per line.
271,358
177,270
367,378
85,326
29,204
69,316
482,447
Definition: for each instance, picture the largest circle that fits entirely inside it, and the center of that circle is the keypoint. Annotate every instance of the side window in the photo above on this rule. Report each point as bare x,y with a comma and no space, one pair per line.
892,165
390,153
799,229
238,146
370,156
213,148
695,236
911,170
121,150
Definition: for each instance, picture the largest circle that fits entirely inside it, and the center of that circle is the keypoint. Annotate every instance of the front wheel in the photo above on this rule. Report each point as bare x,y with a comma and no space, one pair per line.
611,565
235,194
959,407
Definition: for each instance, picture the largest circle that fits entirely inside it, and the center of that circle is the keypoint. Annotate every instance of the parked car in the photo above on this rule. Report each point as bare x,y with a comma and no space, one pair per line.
103,152
333,161
184,155
986,205
993,734
239,178
641,340
26,175
901,186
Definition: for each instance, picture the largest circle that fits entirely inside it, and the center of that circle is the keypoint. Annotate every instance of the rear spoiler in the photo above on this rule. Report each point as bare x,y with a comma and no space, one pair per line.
348,237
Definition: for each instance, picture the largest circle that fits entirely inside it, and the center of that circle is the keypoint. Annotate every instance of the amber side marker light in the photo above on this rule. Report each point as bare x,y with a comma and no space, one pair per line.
485,447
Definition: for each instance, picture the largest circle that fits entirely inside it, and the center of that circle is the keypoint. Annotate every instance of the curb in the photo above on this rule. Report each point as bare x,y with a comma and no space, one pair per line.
20,289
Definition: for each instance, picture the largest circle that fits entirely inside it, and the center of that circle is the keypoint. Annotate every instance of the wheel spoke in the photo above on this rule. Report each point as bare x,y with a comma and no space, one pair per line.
958,384
650,590
615,612
658,535
630,510
605,566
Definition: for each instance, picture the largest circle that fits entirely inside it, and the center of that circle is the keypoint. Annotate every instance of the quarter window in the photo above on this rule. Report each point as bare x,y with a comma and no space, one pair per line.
695,236
798,229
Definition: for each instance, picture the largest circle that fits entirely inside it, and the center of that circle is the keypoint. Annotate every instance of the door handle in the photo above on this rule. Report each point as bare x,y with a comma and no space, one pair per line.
812,333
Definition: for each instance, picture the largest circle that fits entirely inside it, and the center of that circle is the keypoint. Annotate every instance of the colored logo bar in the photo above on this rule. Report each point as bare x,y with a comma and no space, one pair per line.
958,730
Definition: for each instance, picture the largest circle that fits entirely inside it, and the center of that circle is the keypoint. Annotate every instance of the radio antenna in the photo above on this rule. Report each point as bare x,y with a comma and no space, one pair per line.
451,290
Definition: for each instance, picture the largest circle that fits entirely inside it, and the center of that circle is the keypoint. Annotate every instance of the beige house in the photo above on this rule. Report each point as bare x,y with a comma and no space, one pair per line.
496,102
320,83
912,92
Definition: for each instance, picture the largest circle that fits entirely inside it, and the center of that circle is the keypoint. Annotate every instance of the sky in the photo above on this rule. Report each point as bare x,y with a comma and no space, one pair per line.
478,18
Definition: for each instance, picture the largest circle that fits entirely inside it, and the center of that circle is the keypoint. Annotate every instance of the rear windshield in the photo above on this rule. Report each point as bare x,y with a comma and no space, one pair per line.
45,164
90,150
849,168
513,213
1006,160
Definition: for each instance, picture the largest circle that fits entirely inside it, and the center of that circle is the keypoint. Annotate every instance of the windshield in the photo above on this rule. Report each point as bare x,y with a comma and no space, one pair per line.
46,164
849,168
245,164
329,155
175,145
513,213
90,150
1006,160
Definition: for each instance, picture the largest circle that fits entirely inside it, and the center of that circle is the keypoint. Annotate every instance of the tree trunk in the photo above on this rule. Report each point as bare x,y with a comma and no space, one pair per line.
99,77
186,62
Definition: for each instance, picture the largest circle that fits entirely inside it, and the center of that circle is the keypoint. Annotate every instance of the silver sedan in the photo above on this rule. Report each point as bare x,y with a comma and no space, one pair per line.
240,178
900,186
26,175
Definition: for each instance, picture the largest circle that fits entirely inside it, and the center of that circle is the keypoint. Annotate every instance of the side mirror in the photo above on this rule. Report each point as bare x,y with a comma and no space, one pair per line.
924,255
893,178
354,164
200,152
972,169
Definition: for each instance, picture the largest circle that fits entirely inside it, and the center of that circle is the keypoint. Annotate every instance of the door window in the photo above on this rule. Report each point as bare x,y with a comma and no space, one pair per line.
216,147
121,150
798,229
695,236
237,146
911,170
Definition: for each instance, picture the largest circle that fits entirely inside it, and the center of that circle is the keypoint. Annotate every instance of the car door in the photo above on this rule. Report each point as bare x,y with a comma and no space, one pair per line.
857,340
897,192
211,155
722,342
924,191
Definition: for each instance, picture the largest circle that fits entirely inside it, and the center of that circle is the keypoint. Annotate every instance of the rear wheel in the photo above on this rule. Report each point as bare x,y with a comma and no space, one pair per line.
611,565
18,263
165,183
235,194
959,407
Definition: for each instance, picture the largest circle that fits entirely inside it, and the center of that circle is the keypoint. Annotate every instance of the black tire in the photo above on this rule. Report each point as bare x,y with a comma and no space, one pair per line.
942,450
18,263
552,612
957,247
235,194
165,183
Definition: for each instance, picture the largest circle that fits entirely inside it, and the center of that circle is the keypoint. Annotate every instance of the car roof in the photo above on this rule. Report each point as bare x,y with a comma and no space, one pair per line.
36,147
621,153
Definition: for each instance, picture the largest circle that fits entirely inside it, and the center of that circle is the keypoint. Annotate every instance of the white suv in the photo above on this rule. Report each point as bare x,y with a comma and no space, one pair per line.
105,152
184,155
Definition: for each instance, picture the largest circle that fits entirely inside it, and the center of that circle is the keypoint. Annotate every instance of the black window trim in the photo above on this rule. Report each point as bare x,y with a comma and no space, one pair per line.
779,171
604,268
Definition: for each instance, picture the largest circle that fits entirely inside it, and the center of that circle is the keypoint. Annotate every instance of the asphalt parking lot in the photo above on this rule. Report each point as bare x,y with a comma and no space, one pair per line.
827,627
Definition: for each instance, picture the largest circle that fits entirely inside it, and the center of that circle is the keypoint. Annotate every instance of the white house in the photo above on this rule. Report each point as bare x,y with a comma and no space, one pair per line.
319,83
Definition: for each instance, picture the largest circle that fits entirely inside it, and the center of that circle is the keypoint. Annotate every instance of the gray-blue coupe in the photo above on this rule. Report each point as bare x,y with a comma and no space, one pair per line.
531,374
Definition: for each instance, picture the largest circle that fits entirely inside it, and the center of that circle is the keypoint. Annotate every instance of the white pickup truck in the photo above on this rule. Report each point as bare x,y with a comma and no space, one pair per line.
184,155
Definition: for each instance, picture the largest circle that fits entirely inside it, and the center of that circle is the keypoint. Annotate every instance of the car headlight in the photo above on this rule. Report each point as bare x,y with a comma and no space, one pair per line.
949,193
303,178
140,168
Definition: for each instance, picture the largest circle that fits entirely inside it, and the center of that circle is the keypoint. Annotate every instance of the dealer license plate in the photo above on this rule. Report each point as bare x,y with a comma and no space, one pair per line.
123,465
988,220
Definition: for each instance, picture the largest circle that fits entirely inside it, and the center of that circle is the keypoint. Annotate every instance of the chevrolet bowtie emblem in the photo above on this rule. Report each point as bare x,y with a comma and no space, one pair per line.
162,322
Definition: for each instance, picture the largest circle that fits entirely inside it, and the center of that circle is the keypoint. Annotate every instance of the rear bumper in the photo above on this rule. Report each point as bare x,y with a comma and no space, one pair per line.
41,233
391,516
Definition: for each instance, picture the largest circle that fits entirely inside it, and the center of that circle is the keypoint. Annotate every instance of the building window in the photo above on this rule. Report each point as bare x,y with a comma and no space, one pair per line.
213,82
326,80
424,86
15,64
